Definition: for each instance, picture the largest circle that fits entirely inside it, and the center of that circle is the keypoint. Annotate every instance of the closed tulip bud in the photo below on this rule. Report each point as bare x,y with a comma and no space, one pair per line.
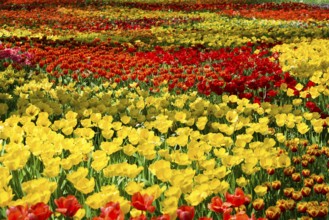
288,192
319,178
304,163
325,189
289,171
276,184
308,182
296,160
302,207
290,204
294,148
297,196
273,213
270,171
323,211
318,188
311,159
313,211
318,153
306,191
306,172
296,177
258,204
281,203
324,203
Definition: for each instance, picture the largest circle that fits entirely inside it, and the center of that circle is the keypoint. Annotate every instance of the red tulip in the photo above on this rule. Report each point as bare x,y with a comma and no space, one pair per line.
205,218
67,206
217,205
39,211
111,211
185,212
237,199
142,202
17,213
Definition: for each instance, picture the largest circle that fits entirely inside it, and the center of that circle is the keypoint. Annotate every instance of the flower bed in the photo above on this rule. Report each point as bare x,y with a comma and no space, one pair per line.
163,111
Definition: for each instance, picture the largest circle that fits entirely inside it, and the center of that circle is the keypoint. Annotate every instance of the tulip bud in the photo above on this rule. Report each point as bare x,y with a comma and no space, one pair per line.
311,159
270,171
276,184
308,182
293,148
297,196
288,191
325,189
323,211
296,160
290,204
281,203
306,172
273,213
258,204
318,153
304,163
313,211
302,207
319,178
289,171
318,188
296,177
306,191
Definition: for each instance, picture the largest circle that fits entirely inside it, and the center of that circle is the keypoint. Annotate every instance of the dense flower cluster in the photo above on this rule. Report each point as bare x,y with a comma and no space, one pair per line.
284,11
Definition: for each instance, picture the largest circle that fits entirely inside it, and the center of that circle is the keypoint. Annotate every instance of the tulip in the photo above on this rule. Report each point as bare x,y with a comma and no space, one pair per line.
276,185
67,206
302,207
318,188
40,211
306,172
185,212
112,211
306,191
297,195
142,202
273,213
217,205
17,212
237,199
288,192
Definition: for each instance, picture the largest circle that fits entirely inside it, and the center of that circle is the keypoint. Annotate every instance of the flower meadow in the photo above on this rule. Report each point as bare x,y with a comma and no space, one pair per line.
163,110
